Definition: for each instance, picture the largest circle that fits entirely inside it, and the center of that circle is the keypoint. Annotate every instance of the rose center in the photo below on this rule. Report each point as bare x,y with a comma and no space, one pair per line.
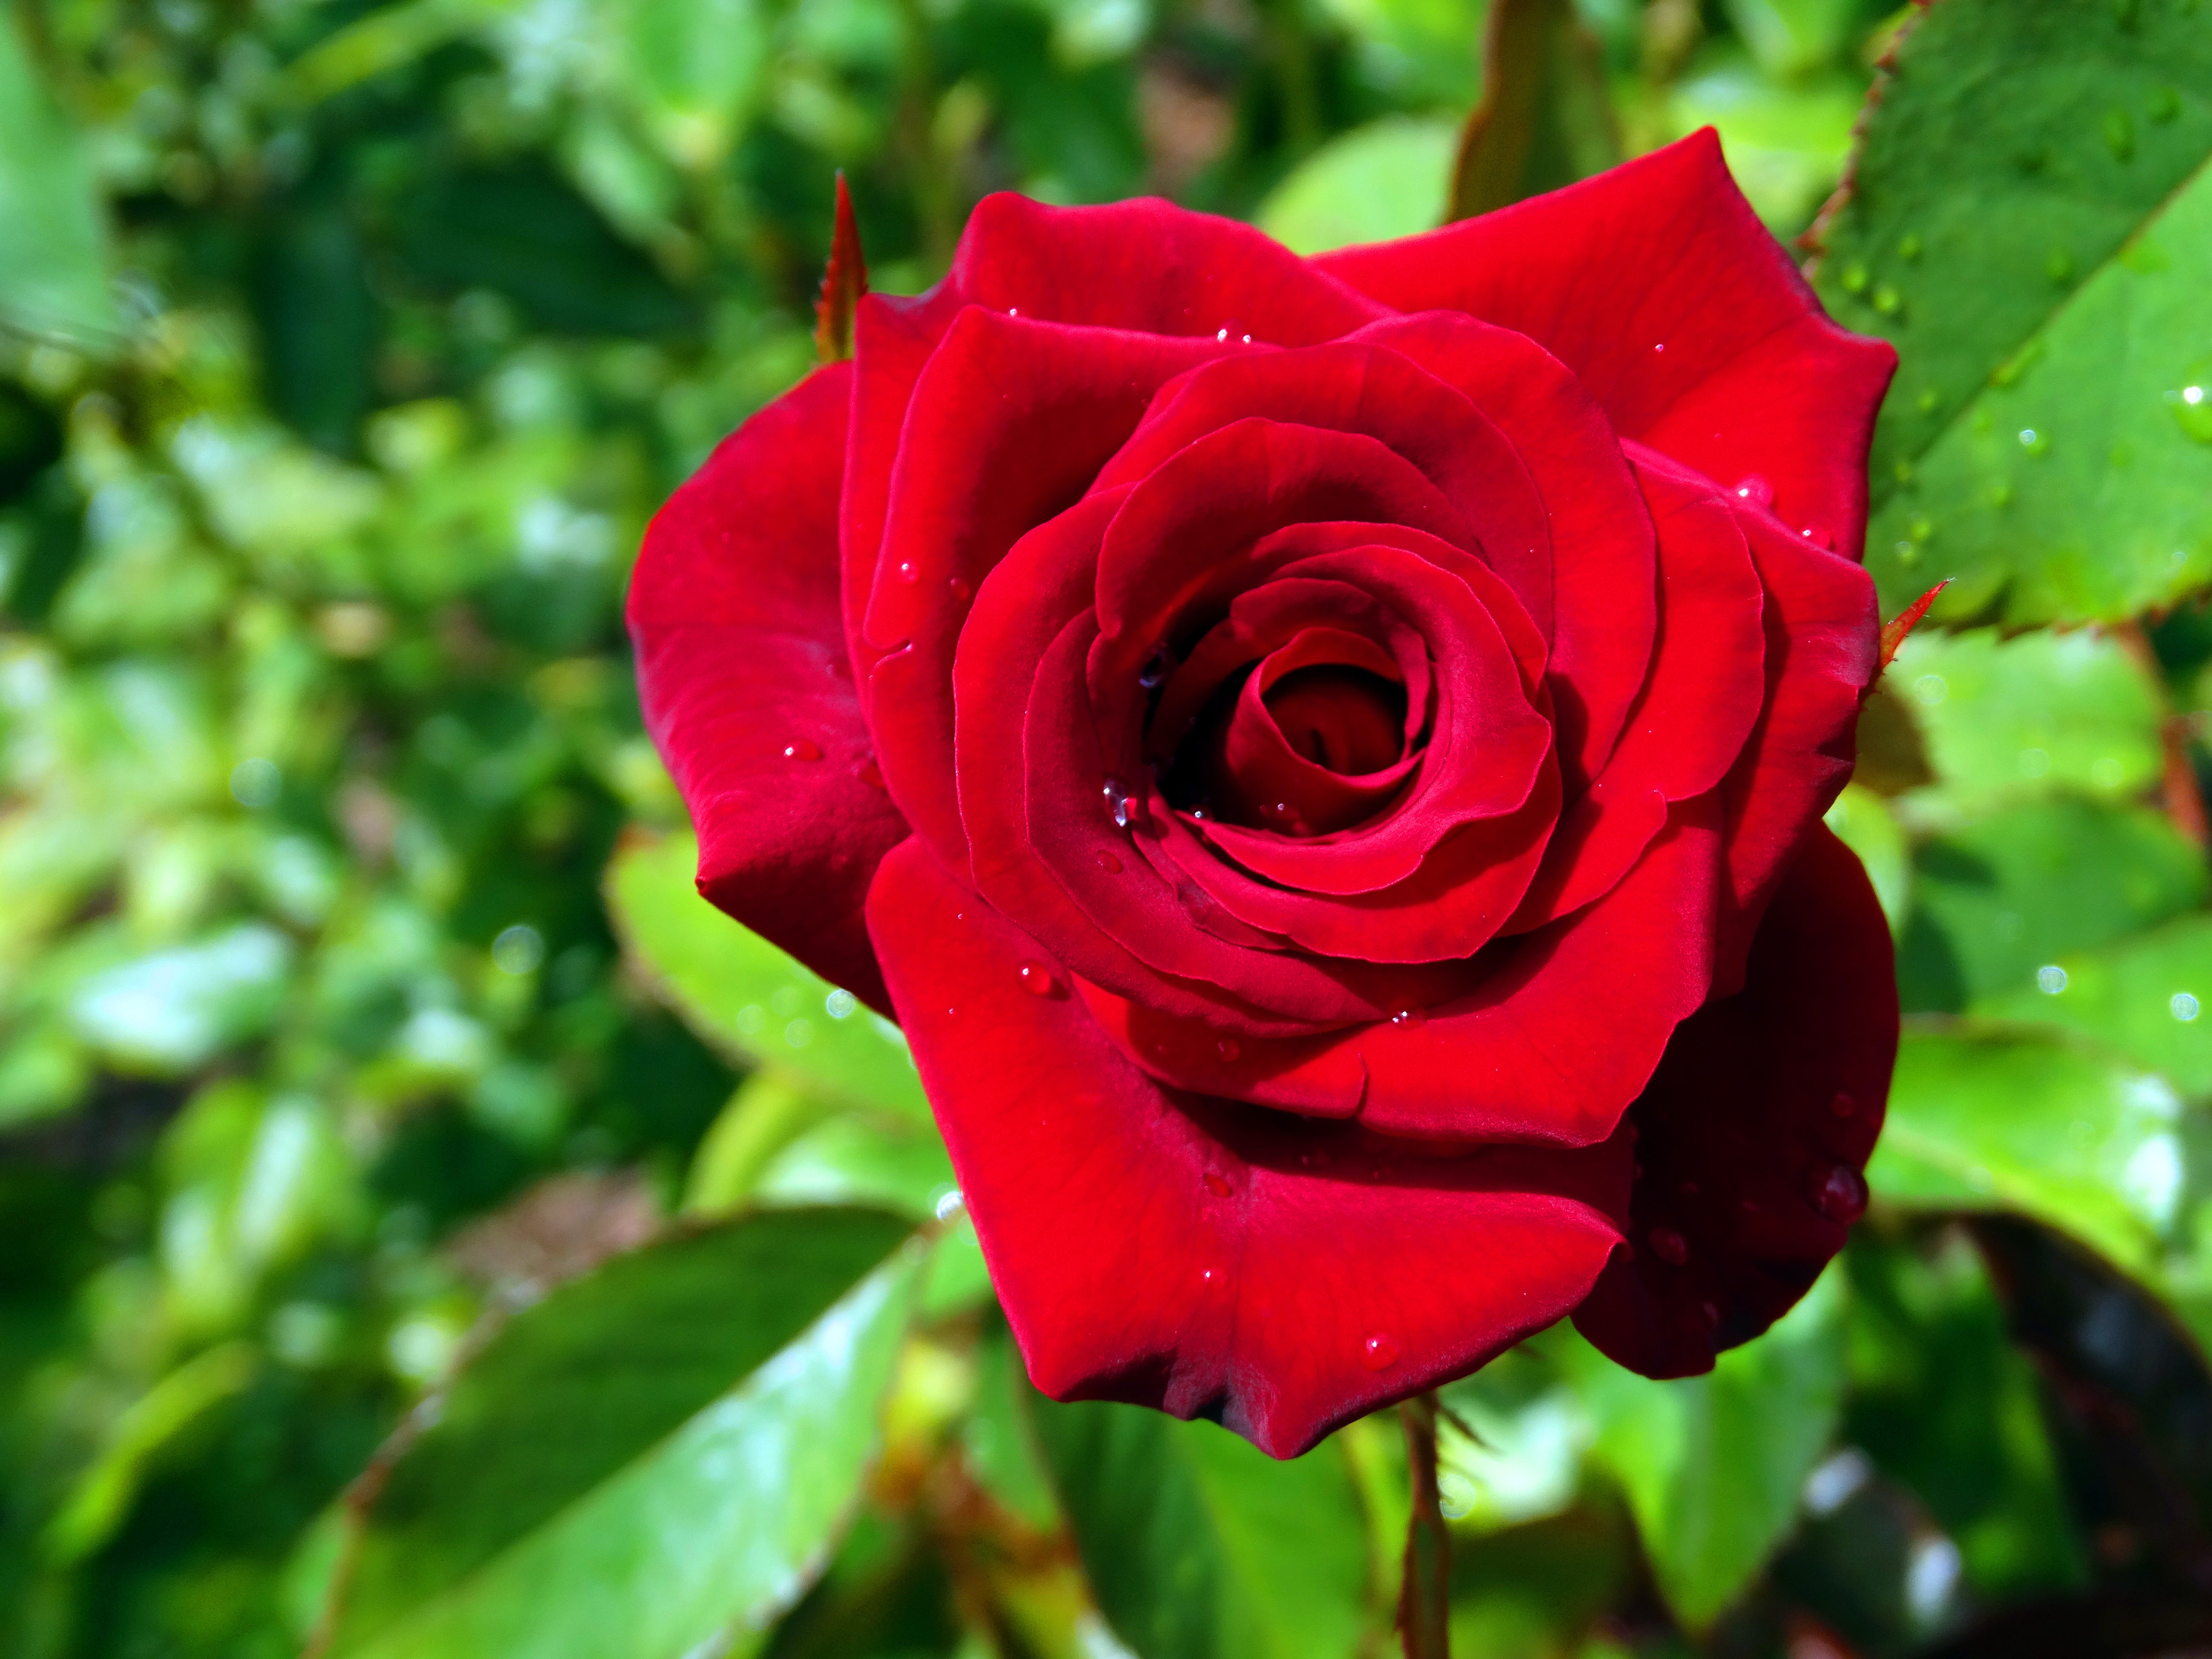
1343,720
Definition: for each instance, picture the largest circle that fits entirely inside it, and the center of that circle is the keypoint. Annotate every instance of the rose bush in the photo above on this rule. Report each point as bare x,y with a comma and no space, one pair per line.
1324,758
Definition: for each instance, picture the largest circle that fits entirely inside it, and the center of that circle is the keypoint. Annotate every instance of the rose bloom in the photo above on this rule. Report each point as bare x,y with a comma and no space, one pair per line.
1324,758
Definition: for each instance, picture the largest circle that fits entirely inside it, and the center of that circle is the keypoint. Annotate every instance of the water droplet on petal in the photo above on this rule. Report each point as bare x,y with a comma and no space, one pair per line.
1380,1351
1410,1017
1108,862
1669,1246
1216,1185
962,589
1156,668
1036,979
908,571
1221,337
1842,1104
1206,1276
1756,490
1820,535
1127,811
801,750
1841,1195
1228,1048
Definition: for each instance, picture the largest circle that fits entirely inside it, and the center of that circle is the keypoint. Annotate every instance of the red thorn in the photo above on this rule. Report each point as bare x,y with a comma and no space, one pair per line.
1894,631
843,282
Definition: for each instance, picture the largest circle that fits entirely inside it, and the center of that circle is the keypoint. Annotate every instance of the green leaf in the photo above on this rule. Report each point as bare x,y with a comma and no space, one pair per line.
53,276
2012,1118
1997,901
1544,120
1377,182
742,994
2007,719
172,1010
2144,997
647,1458
1941,1401
1198,1545
1712,1466
1785,144
1527,1463
2030,220
693,65
1862,822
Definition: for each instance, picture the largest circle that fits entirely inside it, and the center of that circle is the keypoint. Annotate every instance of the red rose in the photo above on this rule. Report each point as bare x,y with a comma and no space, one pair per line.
1325,758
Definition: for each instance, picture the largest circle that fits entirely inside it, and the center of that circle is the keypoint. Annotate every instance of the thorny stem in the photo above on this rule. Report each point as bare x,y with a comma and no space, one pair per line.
1424,1597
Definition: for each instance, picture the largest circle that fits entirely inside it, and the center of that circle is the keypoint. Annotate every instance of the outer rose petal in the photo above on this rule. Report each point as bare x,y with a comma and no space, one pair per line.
1755,1129
1822,652
740,655
1658,286
1280,1276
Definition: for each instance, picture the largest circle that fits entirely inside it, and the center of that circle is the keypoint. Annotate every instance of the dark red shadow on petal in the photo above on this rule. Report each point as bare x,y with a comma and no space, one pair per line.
747,691
1278,1275
1753,1137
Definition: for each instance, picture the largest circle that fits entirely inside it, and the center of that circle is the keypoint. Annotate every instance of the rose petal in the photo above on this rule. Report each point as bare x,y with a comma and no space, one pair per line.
1823,648
1351,387
1755,1132
1598,585
1007,425
1656,284
1279,1276
1556,1041
742,671
1691,720
1150,267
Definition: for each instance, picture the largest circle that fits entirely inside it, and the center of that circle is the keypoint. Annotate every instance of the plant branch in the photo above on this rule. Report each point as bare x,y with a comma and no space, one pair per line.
1424,1597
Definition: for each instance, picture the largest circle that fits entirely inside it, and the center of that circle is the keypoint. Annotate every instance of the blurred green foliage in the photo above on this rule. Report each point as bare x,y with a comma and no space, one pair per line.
345,350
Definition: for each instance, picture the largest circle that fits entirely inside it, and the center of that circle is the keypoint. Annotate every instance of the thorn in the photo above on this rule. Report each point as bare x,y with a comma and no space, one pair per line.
1894,631
843,282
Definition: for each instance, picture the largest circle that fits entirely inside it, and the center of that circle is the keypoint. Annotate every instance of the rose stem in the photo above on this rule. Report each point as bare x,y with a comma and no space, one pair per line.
1425,1598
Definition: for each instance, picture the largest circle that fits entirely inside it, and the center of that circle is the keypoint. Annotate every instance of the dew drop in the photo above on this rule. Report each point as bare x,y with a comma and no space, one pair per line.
1248,339
2184,1006
2051,979
1841,1195
801,750
2034,442
1228,1048
1410,1017
1216,1185
1036,979
1842,1104
1155,669
1380,1351
1221,337
1756,490
908,571
1820,535
1205,1275
1669,1246
2192,405
1108,862
1659,348
962,589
